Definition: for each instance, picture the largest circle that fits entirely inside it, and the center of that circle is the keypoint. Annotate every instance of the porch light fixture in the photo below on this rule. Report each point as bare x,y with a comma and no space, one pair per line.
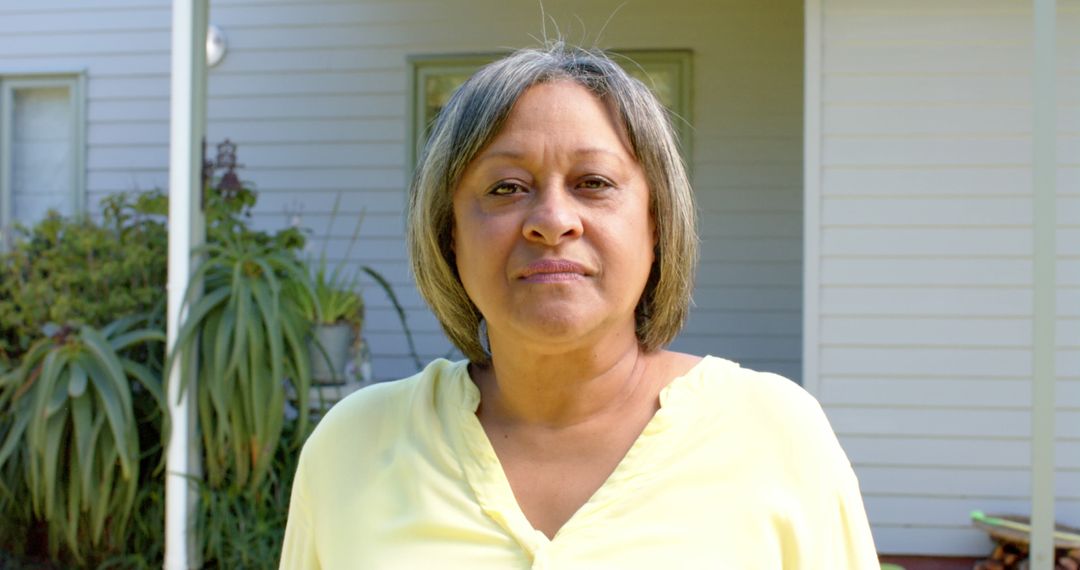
215,45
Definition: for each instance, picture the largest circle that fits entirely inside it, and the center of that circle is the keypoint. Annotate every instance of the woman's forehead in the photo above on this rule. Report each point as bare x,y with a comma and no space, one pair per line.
561,112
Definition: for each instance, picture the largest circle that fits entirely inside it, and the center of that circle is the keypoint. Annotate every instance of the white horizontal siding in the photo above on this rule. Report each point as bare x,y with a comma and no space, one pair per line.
925,263
946,452
129,40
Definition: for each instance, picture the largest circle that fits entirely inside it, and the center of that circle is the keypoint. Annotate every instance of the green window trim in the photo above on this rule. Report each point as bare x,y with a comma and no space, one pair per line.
432,79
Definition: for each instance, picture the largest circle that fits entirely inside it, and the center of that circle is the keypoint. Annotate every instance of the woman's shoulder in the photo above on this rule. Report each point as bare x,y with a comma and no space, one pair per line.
381,411
726,377
731,391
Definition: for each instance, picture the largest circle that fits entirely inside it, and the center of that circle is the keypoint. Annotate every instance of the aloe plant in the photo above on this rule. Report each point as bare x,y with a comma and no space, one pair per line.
248,331
68,426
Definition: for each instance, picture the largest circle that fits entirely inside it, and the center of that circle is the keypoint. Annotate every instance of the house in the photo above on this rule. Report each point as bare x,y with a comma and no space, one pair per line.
863,168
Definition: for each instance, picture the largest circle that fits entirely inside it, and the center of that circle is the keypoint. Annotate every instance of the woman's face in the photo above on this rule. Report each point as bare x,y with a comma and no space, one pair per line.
552,231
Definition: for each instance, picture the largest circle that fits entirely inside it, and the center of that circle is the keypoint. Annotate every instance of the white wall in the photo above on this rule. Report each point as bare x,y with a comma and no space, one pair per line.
314,92
925,237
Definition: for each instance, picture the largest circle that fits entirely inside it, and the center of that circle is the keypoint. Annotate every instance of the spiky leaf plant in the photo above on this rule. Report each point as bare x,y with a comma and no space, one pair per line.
68,427
248,334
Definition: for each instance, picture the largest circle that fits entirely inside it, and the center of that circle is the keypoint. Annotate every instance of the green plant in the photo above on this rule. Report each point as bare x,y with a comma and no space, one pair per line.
336,299
84,276
247,328
68,430
244,528
144,546
75,271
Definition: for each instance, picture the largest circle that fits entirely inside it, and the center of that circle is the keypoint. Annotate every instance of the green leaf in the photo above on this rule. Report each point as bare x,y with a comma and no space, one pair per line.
193,326
118,417
295,330
74,504
60,393
85,430
213,389
14,437
242,457
77,384
99,346
120,325
224,332
54,433
242,306
248,391
37,432
210,446
126,340
259,395
102,498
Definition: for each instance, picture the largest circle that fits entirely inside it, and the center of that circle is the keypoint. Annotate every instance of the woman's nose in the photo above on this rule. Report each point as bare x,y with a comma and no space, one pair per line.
553,216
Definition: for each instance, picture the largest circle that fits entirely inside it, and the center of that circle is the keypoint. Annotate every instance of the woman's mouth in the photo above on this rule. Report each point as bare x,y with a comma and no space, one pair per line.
552,271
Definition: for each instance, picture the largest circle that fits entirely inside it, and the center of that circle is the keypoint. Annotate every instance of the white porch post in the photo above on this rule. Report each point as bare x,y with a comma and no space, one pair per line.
1044,170
186,231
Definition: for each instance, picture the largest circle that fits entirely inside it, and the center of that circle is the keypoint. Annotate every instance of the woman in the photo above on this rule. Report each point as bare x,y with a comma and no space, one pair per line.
552,232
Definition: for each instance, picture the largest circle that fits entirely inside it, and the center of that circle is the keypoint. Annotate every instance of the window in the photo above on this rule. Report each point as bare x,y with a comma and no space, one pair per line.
434,79
41,147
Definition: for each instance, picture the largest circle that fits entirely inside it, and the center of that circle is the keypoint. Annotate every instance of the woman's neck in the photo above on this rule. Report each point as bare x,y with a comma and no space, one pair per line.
560,389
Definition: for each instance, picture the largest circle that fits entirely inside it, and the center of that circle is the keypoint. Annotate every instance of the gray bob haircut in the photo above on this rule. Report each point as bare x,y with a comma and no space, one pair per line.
473,117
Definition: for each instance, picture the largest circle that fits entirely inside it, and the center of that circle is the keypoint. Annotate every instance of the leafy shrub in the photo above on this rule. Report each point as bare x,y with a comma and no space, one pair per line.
81,409
66,290
74,271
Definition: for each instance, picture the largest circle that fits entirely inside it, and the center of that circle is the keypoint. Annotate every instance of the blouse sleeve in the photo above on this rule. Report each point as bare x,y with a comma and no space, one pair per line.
848,543
841,537
298,550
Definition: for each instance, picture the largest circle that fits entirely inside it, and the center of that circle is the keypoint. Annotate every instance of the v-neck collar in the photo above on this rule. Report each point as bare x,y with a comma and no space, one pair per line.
485,475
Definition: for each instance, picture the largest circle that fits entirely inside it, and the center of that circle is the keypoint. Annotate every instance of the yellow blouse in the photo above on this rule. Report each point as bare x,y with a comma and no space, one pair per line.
738,470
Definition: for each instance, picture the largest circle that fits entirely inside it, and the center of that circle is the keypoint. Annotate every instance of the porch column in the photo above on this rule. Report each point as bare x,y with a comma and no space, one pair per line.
186,231
1044,170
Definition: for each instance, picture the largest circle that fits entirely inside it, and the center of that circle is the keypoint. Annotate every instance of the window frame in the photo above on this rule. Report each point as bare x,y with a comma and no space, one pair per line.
423,66
75,82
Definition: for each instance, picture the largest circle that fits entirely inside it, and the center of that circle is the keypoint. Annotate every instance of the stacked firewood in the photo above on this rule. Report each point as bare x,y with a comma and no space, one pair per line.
1010,555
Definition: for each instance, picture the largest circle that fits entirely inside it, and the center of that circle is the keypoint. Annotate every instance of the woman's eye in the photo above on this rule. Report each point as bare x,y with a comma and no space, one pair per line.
595,183
505,189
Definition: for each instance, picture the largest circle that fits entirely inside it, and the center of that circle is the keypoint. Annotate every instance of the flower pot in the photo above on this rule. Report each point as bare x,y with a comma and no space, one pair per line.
336,341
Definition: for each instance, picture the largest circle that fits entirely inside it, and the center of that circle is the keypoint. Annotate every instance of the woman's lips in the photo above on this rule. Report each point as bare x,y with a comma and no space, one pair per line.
551,270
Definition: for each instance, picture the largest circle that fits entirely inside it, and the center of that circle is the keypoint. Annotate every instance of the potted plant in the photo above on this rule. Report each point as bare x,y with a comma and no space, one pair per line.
337,327
336,311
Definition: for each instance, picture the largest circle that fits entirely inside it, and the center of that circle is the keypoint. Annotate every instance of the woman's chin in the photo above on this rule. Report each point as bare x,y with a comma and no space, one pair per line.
559,328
